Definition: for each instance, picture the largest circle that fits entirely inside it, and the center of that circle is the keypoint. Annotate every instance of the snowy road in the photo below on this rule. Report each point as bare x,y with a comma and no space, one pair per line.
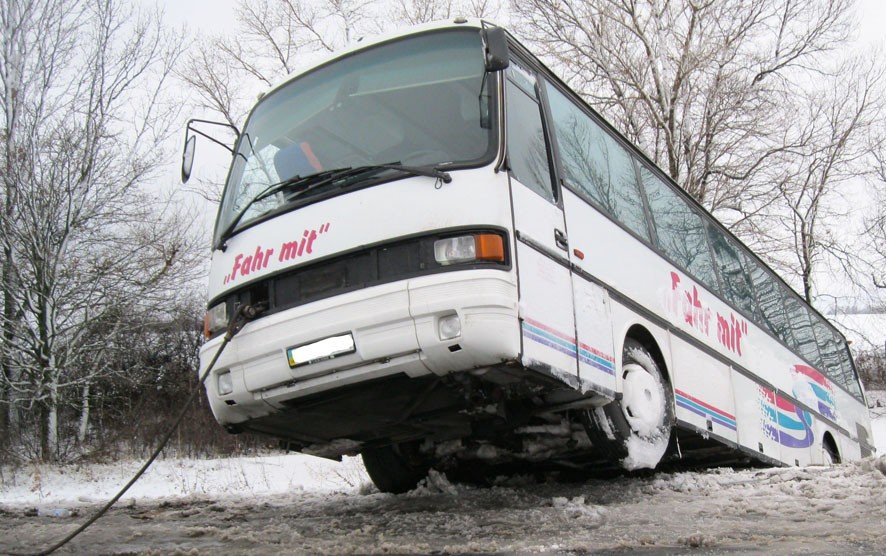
840,510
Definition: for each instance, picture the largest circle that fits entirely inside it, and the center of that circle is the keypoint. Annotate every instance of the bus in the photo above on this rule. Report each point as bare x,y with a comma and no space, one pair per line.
460,265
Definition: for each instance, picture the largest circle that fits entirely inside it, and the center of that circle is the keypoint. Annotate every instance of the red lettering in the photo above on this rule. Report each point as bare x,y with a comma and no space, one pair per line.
311,239
236,265
257,259
288,250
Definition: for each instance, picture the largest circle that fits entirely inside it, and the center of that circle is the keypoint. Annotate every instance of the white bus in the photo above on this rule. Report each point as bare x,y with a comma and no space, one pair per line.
462,266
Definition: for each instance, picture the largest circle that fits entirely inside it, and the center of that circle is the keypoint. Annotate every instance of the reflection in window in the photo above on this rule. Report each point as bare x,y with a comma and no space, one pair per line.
527,151
770,301
851,383
596,164
801,328
681,233
735,280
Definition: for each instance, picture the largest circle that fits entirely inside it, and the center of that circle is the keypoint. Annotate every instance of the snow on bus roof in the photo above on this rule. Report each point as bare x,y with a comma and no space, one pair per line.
361,44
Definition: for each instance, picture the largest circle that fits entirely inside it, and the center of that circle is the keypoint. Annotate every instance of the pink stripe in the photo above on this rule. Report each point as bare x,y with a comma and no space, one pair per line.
547,328
597,352
811,373
704,404
784,404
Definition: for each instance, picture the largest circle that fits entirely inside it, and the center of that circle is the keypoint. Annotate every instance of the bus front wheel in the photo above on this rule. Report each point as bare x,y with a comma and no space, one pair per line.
395,469
635,430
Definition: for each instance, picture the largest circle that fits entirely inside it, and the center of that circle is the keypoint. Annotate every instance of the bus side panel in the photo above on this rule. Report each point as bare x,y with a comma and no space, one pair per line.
703,390
854,418
593,323
546,316
755,413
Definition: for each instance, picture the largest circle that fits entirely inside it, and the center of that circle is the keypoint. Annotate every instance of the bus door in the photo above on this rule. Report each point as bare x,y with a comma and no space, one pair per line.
546,312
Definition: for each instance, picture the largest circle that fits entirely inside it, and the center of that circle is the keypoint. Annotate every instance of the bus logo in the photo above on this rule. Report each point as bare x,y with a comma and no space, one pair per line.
790,424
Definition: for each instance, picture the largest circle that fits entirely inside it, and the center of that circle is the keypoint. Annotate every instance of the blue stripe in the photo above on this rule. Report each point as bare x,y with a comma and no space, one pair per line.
597,358
546,342
689,404
682,402
564,346
789,423
596,365
550,337
706,409
822,394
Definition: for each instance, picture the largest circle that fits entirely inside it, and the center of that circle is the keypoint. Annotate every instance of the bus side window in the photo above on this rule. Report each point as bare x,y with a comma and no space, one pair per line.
770,301
527,147
734,277
801,328
680,230
596,164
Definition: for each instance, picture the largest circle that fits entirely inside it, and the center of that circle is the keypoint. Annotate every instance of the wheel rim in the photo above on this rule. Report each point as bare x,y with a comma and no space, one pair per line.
643,400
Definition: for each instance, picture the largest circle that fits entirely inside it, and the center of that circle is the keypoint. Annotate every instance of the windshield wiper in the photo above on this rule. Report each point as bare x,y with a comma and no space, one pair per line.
320,179
430,171
315,180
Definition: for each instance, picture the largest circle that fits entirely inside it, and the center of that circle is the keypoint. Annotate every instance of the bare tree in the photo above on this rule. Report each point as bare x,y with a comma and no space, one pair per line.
875,228
698,84
226,73
807,224
84,121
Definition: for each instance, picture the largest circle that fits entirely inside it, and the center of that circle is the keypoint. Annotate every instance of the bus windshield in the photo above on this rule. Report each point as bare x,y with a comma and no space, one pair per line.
416,101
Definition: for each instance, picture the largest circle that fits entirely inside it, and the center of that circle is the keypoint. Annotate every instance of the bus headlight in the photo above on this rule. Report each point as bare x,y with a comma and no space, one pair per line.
216,319
475,247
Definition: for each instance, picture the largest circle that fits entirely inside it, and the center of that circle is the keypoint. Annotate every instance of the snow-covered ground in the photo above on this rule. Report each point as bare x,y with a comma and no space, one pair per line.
310,505
49,486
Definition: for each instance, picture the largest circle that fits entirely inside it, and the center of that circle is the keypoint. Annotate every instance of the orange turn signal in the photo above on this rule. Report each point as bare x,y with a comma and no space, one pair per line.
490,247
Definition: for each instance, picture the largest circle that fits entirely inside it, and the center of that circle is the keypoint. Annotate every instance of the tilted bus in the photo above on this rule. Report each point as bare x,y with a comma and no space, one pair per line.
462,266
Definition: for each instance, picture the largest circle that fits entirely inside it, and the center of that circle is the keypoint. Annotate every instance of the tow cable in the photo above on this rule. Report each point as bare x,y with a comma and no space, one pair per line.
242,315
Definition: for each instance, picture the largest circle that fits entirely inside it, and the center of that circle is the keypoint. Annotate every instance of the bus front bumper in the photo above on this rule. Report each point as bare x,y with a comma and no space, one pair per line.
396,330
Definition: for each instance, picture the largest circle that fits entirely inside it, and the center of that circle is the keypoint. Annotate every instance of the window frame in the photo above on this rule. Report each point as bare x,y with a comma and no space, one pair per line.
526,63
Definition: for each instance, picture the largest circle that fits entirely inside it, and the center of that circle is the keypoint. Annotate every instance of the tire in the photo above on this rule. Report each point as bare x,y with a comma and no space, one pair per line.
392,469
830,453
635,431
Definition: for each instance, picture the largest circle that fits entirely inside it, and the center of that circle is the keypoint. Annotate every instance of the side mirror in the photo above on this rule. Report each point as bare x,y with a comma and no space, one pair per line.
495,45
188,157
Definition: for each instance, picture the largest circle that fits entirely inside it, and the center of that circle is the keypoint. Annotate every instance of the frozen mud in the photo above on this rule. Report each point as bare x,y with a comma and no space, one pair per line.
818,510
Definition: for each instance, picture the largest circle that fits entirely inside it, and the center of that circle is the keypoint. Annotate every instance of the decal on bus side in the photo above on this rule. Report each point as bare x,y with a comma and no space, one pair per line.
686,306
788,423
260,258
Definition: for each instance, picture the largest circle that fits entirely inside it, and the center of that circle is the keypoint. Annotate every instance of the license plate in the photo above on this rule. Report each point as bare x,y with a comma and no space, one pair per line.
320,350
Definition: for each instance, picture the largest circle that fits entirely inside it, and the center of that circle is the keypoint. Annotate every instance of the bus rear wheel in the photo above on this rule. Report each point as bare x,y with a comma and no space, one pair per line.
635,430
396,468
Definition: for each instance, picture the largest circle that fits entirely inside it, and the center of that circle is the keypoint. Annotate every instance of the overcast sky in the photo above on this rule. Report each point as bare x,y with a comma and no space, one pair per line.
218,16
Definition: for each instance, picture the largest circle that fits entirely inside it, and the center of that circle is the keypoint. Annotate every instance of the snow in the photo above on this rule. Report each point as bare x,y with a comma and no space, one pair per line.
811,510
269,504
644,453
45,485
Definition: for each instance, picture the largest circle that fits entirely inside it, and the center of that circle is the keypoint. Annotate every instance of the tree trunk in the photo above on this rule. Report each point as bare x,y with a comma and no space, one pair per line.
83,428
52,422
